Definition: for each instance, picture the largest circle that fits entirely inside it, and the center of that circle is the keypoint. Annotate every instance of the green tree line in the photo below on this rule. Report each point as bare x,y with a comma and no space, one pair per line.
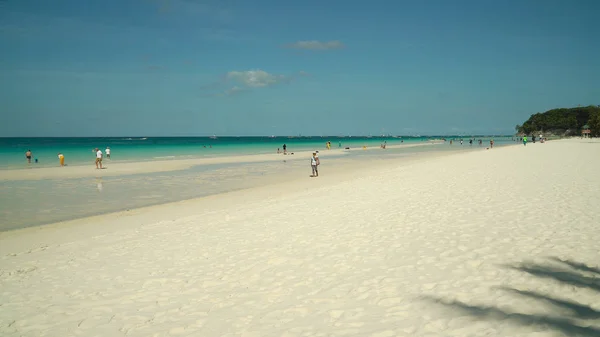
568,121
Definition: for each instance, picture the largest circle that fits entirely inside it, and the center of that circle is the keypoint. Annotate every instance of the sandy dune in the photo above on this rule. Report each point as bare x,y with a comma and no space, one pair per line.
489,243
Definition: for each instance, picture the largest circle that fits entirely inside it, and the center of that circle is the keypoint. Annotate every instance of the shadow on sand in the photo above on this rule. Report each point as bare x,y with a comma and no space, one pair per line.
576,319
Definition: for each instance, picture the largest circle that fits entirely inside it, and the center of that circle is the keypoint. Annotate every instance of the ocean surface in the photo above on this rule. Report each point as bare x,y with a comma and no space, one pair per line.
79,151
29,203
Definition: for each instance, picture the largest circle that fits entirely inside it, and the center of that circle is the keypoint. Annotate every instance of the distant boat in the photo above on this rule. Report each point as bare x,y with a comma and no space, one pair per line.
213,137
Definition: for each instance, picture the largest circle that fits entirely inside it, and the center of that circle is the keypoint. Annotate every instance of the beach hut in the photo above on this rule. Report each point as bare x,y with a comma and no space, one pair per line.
585,131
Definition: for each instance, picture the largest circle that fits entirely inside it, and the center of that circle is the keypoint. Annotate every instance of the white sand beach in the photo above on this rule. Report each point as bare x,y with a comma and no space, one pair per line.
501,242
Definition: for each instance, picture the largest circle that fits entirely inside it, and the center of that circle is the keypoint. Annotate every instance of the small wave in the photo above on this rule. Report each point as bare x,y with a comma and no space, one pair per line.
165,157
144,138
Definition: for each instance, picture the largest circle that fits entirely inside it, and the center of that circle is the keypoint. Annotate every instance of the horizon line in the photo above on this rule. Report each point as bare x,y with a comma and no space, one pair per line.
276,136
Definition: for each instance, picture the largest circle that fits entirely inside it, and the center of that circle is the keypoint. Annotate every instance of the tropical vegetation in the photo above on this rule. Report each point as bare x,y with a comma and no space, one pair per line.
563,121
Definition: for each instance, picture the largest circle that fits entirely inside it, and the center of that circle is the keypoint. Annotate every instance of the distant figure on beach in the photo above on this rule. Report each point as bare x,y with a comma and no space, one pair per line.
284,149
98,158
450,141
314,163
61,158
471,142
491,143
28,156
480,142
278,150
533,139
328,145
525,141
107,152
461,142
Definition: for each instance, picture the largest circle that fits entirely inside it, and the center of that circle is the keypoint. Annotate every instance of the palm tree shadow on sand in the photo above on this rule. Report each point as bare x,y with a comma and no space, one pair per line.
577,317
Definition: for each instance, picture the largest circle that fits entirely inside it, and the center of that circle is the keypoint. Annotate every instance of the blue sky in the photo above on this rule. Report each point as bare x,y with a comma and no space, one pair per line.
196,67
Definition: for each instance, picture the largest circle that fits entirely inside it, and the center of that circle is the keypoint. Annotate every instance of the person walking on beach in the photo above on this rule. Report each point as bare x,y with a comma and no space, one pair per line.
314,163
491,143
107,152
61,158
525,141
284,149
98,158
28,156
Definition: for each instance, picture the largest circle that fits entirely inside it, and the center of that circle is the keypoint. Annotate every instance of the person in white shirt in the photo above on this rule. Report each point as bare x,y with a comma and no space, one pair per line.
98,158
107,152
314,163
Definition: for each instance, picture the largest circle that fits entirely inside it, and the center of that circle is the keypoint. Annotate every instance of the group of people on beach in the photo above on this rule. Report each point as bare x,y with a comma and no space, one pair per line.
471,140
524,139
61,157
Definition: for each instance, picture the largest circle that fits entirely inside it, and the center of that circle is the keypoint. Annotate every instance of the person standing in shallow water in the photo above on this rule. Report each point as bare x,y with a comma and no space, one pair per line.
98,158
284,149
314,163
28,156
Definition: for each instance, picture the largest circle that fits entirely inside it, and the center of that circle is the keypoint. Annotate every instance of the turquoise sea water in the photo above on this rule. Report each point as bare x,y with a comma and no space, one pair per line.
79,151
35,202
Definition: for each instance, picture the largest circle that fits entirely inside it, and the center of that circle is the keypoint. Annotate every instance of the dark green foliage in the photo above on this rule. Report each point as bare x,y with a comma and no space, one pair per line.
594,123
563,120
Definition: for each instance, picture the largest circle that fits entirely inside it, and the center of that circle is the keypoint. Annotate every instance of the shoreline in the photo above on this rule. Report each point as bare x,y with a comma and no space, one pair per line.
338,168
152,166
11,151
297,182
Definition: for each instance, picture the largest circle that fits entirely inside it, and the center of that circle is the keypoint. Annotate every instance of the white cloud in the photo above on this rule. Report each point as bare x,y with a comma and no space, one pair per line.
255,78
317,45
246,81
